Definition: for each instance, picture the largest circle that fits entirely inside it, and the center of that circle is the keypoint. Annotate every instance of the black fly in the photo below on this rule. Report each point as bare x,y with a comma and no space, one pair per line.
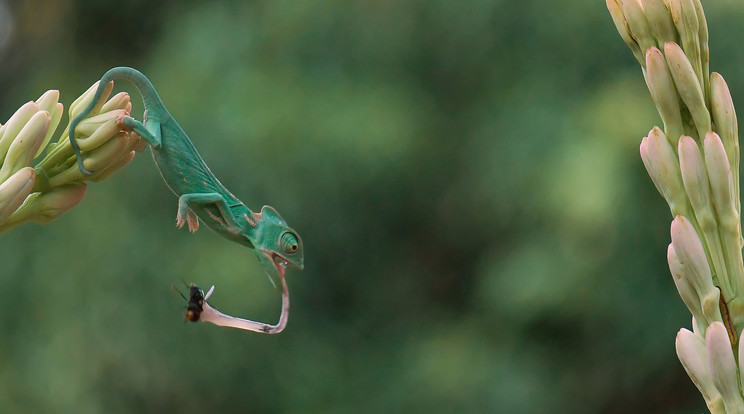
195,302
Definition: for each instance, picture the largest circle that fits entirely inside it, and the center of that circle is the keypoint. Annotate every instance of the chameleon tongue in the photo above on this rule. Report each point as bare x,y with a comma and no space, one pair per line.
212,315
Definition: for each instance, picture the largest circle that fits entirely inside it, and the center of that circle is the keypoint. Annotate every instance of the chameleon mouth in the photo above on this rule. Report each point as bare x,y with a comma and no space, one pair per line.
279,262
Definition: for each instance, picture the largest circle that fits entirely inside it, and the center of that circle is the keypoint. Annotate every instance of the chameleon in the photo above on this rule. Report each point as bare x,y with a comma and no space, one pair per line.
201,196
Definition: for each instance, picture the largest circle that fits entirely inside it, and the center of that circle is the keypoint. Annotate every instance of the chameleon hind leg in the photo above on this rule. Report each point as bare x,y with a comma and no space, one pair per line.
187,202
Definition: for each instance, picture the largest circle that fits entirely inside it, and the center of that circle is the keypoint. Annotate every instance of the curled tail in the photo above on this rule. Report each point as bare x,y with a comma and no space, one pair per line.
144,86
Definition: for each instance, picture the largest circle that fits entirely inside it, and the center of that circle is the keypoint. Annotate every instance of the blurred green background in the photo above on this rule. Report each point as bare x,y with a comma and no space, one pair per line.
480,233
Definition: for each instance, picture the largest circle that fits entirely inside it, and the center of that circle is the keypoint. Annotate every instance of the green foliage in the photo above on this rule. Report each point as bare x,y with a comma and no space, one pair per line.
480,233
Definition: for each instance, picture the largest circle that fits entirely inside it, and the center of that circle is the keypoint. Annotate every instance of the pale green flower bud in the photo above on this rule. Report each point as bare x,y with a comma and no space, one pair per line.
688,86
119,101
691,352
43,208
703,40
14,126
721,181
123,161
724,117
134,142
660,21
638,24
694,266
618,17
26,144
49,102
695,179
14,190
663,168
87,96
723,367
685,19
108,153
684,286
664,94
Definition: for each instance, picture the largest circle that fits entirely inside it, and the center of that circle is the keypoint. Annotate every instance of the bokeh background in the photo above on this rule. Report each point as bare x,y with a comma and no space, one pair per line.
480,233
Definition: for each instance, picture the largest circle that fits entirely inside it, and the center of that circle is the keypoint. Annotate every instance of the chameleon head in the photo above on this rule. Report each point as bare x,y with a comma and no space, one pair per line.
277,245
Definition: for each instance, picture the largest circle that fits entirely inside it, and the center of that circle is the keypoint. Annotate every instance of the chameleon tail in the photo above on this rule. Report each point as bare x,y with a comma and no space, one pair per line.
144,86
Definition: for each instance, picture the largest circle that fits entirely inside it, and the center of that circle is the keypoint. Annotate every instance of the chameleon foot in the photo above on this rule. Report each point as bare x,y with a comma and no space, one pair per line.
191,219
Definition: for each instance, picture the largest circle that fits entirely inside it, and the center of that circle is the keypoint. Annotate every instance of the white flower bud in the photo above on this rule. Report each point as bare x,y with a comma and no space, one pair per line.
723,367
691,352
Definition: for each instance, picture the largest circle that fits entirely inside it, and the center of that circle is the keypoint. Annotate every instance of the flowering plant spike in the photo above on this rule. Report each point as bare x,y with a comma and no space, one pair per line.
41,191
694,164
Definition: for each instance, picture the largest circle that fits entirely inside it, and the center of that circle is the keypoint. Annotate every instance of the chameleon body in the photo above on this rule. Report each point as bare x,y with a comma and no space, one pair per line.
201,195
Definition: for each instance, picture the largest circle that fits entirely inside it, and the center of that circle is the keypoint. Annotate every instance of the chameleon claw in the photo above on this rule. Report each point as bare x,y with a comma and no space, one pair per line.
191,219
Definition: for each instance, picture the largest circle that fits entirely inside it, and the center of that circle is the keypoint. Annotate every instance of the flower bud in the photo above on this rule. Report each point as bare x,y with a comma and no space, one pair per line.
43,208
703,41
663,168
14,126
49,101
694,266
122,162
24,147
684,286
638,24
689,87
724,117
723,367
664,94
685,18
691,352
14,191
56,116
119,101
721,181
660,21
618,18
108,153
694,176
84,100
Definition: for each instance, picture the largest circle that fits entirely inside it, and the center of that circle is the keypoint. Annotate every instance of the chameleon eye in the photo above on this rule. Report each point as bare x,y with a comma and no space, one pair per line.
288,243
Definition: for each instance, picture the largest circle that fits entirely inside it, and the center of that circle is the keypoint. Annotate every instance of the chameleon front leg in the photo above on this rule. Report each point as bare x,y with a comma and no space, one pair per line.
150,130
185,210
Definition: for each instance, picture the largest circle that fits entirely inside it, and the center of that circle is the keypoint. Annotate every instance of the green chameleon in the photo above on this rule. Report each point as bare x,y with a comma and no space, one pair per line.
202,196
